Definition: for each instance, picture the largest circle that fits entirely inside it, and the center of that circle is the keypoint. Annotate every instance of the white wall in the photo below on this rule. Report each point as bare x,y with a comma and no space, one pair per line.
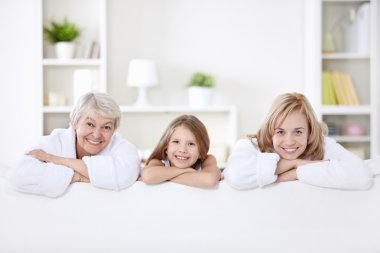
254,48
18,77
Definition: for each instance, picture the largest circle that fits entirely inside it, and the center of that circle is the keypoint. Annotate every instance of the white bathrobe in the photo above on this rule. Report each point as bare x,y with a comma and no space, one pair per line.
247,168
115,167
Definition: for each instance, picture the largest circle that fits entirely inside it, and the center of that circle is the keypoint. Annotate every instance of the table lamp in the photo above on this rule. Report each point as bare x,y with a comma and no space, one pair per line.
142,73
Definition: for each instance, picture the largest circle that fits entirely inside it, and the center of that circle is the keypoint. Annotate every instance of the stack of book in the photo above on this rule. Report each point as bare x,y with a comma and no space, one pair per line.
337,89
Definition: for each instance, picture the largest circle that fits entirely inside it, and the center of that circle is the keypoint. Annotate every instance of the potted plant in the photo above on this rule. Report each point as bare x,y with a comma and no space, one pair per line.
62,35
200,89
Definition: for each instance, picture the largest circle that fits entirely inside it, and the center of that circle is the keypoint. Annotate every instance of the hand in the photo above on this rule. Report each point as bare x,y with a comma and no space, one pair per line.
40,155
284,165
79,178
290,175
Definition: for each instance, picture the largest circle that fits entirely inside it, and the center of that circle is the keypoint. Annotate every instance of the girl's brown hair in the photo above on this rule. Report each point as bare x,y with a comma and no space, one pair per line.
194,125
282,106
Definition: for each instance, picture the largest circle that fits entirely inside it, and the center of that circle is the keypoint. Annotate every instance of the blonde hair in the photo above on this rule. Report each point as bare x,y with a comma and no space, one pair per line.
96,102
194,125
282,106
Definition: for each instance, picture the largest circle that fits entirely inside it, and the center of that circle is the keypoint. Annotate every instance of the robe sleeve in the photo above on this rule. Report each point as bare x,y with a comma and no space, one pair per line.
116,168
247,167
340,169
33,176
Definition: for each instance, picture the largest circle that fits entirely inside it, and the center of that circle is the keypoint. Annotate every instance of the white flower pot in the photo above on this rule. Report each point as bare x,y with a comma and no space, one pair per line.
199,96
65,50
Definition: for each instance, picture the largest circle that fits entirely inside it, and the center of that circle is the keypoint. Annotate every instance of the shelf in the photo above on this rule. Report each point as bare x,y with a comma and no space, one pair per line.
346,110
57,109
344,1
321,17
150,109
71,62
345,56
347,138
176,108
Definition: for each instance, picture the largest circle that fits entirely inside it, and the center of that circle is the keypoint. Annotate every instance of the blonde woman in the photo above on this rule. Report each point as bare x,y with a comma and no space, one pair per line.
89,151
181,156
290,145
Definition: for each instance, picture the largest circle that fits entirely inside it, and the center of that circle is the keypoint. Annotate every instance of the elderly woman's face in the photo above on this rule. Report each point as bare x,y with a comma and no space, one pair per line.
93,134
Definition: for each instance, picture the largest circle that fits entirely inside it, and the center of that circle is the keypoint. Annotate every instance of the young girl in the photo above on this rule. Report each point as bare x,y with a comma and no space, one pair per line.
290,145
181,156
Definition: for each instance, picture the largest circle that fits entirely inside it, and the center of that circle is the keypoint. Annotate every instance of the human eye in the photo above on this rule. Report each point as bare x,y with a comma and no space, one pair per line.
192,144
175,141
279,132
299,132
90,124
107,128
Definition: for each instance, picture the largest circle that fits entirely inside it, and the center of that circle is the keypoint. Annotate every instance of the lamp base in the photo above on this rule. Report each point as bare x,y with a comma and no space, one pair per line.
142,99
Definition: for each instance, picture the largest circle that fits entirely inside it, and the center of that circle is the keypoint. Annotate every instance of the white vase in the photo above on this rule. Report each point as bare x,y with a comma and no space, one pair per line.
65,50
199,96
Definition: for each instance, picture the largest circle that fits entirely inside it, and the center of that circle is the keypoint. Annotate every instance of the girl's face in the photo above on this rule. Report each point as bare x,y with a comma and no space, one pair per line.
290,138
93,134
182,151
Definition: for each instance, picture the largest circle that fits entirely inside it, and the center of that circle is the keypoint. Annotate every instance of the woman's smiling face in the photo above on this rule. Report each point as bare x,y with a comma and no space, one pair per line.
93,133
182,151
291,136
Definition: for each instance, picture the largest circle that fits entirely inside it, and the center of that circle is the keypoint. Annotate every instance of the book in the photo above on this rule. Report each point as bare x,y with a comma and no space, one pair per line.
339,89
350,89
95,50
328,92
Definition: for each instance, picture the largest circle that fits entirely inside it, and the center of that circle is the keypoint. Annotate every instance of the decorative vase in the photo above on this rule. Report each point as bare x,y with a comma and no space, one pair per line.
65,50
199,96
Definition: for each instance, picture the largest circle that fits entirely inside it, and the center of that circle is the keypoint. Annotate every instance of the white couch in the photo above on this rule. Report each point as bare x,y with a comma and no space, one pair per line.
288,217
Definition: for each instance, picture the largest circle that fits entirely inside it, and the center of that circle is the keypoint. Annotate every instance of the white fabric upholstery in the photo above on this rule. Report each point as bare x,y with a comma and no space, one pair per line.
289,217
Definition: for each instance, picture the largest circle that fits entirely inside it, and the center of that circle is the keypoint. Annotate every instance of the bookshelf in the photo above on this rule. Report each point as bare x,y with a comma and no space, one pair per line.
143,126
356,56
56,82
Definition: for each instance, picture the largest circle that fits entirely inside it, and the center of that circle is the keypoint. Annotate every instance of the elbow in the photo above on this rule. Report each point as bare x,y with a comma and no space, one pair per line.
234,181
364,183
147,177
211,180
15,179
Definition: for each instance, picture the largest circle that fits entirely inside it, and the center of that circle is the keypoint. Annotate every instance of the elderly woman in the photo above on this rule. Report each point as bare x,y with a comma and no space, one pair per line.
88,151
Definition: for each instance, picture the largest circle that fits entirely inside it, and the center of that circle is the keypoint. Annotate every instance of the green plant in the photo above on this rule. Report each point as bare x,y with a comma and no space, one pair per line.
201,79
64,31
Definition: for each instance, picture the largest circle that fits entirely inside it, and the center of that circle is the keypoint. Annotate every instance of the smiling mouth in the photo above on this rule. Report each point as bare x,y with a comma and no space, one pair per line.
183,158
290,150
94,142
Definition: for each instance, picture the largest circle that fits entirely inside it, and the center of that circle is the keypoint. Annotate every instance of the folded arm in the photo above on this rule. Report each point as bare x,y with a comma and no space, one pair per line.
155,172
341,169
248,168
209,176
79,167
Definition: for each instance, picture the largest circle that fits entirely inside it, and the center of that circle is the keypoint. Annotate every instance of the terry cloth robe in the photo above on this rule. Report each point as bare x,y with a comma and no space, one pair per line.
248,167
115,167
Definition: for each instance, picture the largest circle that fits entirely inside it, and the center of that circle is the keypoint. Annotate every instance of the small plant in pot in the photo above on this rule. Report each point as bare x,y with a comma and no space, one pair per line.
62,35
200,89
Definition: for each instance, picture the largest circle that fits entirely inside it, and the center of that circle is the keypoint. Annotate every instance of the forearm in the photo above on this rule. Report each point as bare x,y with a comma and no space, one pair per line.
159,174
289,175
76,164
197,179
284,165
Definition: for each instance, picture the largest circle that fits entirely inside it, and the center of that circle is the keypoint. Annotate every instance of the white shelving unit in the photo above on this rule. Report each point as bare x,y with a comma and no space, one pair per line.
143,126
57,75
361,66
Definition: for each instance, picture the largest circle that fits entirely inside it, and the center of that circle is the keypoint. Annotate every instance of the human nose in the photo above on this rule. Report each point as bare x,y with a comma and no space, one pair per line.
289,139
183,148
96,133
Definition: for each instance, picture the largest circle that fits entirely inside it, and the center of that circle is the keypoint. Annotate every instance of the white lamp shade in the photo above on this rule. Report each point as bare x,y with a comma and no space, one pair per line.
142,73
